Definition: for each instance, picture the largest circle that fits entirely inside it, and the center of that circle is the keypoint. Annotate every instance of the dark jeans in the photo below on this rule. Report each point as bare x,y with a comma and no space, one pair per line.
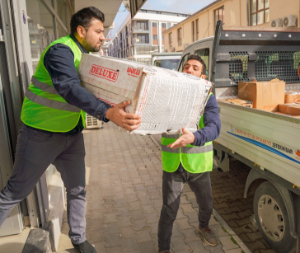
36,150
172,187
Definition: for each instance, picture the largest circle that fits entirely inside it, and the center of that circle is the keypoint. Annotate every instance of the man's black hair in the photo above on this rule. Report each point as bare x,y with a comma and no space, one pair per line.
199,59
84,17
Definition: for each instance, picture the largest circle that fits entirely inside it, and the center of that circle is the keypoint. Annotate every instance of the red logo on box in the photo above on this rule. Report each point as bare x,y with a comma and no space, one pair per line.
133,72
105,73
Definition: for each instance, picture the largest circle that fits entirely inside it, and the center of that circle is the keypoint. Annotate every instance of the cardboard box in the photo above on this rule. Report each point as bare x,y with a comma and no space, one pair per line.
264,95
237,101
292,96
281,113
166,100
290,109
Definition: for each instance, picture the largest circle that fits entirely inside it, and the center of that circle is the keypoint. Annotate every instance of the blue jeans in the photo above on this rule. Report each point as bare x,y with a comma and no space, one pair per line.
172,186
36,150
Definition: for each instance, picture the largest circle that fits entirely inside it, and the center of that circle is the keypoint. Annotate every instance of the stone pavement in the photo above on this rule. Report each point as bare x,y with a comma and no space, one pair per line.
124,178
228,194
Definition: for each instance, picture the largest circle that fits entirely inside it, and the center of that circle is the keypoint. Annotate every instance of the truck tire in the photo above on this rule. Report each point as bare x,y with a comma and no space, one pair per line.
272,218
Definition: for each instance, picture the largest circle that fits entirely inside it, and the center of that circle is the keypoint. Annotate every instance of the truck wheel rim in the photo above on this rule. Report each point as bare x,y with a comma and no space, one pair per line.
271,218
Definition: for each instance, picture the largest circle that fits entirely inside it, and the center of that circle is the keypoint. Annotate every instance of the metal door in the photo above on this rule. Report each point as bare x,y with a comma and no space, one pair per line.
13,224
10,105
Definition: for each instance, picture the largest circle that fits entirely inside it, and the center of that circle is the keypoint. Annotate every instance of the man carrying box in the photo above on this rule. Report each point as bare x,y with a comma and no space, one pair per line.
189,158
53,114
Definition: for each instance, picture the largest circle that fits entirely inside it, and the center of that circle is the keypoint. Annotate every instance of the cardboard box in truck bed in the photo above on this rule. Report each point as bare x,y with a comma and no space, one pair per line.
290,109
166,100
237,101
264,95
292,96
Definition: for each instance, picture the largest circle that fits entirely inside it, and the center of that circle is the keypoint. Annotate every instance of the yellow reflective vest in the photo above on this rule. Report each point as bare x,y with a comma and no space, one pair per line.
194,159
43,108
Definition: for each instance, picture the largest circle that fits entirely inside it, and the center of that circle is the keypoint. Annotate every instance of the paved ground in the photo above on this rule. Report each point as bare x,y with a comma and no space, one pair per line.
228,191
124,199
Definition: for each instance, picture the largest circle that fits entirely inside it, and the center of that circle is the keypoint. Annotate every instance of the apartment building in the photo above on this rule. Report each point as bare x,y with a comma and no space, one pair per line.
137,38
233,13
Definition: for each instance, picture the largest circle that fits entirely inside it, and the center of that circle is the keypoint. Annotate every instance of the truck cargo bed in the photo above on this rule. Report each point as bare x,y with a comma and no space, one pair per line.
268,139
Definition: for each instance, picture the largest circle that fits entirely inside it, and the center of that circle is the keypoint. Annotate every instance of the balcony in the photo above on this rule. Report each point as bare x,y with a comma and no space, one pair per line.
140,29
143,50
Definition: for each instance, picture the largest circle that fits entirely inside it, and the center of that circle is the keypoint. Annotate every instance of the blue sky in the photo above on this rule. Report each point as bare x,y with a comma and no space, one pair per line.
181,6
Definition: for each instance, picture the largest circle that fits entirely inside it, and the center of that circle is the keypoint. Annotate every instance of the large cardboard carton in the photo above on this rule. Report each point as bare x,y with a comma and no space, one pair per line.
290,109
292,96
166,100
264,95
237,101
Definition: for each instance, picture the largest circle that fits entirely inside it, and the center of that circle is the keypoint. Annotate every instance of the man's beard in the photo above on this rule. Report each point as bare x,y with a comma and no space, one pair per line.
91,48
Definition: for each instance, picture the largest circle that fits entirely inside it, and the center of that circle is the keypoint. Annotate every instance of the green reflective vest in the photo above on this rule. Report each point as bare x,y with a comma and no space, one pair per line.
194,159
43,108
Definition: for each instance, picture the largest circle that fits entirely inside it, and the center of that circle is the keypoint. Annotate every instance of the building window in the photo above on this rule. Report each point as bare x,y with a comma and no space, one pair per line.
259,12
179,36
154,37
163,25
41,28
193,31
154,24
170,39
219,15
142,25
142,38
197,29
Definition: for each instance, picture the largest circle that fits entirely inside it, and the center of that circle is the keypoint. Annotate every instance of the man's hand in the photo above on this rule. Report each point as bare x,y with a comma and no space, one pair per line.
128,121
185,139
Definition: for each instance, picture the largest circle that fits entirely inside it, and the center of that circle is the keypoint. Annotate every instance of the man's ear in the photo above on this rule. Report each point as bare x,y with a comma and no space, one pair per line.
81,31
203,76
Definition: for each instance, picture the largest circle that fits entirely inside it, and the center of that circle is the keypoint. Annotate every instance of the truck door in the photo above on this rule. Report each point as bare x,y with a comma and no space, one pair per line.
183,60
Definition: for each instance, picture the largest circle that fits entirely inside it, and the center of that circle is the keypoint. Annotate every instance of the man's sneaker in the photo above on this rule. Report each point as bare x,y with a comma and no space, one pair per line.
85,247
207,235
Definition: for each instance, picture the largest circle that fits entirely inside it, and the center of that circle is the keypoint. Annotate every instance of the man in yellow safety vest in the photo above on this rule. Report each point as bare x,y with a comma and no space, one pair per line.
53,114
189,159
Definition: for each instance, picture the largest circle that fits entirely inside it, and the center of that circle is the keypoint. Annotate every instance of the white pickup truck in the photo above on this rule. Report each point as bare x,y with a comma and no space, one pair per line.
267,142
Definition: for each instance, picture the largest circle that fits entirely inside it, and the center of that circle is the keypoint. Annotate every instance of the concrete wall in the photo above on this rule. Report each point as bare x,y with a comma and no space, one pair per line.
235,16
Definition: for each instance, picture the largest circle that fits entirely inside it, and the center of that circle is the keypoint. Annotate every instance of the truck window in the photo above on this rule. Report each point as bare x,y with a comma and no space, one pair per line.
167,63
184,58
204,54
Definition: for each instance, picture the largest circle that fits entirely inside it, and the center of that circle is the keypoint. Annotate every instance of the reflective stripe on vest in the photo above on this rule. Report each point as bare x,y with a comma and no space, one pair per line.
51,103
43,107
188,150
194,159
43,86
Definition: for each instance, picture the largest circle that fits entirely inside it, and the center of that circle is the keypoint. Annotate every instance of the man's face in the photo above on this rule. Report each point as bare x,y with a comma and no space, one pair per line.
94,36
193,67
